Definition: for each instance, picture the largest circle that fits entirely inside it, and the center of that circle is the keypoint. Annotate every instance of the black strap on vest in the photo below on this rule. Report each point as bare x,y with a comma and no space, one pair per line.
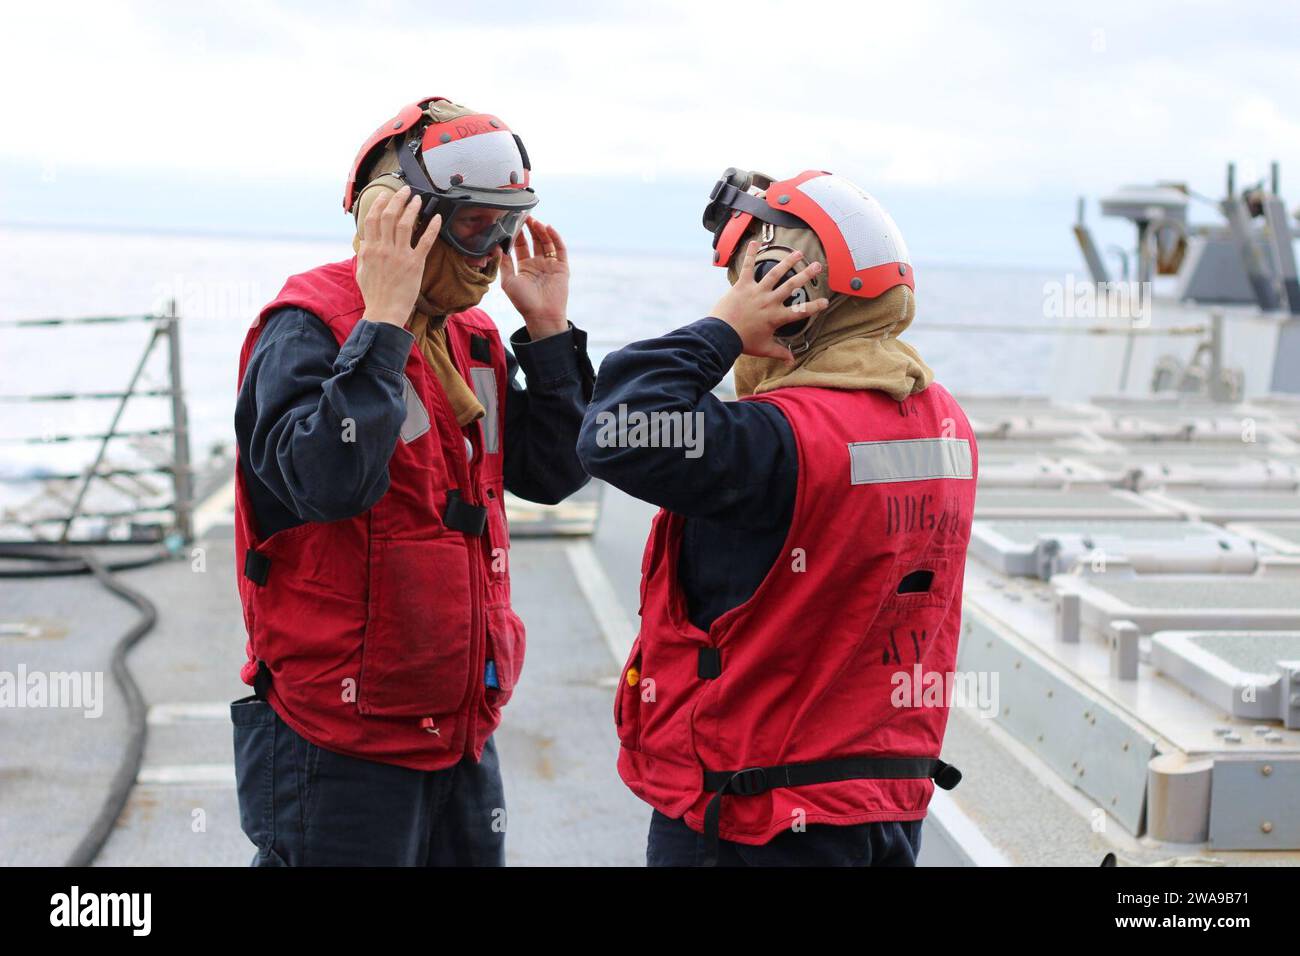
709,665
479,349
463,516
755,780
261,680
256,567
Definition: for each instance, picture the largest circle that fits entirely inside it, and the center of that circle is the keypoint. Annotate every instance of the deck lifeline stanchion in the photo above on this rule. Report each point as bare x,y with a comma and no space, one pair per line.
164,326
182,478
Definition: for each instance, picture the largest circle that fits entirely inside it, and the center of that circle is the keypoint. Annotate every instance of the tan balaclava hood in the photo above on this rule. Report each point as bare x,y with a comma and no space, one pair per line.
853,344
450,283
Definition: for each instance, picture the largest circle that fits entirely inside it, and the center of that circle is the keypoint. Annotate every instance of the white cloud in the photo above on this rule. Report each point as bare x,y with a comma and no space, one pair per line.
985,97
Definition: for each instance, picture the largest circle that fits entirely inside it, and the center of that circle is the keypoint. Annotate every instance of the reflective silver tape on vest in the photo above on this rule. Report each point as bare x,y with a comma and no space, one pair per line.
913,459
485,389
416,422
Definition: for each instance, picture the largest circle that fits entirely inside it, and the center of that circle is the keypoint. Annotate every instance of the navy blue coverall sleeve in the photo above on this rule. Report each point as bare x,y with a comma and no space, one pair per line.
744,474
542,419
737,495
300,387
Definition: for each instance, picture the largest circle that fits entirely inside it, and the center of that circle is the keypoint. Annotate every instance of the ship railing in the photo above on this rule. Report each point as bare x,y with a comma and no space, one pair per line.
164,330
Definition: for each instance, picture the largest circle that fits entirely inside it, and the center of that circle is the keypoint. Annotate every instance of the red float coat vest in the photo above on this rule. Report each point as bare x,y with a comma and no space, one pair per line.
789,702
375,630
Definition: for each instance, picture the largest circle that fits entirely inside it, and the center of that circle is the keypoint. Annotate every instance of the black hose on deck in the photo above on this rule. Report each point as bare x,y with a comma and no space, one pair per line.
60,561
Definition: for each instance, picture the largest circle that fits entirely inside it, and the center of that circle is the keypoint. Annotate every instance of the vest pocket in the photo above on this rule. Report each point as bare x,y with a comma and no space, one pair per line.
506,649
505,630
911,616
415,657
627,709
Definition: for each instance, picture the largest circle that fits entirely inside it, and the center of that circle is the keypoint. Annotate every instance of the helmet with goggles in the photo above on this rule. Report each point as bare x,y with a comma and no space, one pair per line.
823,216
469,167
865,252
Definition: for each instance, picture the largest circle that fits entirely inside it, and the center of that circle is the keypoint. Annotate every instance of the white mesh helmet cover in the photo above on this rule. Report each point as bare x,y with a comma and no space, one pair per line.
485,160
870,233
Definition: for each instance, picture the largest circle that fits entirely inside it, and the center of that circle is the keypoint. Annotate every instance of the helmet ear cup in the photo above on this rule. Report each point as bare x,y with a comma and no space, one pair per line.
766,267
799,297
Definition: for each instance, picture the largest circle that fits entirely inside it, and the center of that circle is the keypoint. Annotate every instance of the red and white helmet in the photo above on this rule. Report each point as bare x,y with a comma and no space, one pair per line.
865,252
465,165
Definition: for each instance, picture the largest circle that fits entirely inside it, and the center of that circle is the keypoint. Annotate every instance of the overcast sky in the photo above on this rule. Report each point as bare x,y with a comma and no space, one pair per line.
976,123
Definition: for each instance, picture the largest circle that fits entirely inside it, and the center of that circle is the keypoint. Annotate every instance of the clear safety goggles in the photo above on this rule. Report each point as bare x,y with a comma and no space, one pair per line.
474,229
474,219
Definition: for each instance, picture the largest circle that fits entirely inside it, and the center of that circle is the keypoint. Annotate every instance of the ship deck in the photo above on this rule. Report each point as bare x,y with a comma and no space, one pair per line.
1092,682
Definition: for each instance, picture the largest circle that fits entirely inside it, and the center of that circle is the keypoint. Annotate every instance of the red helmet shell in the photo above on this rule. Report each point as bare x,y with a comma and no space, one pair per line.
406,117
503,159
865,252
730,237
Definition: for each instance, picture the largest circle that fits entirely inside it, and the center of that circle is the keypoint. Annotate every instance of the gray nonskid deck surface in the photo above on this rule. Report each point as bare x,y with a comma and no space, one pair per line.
564,800
56,764
190,662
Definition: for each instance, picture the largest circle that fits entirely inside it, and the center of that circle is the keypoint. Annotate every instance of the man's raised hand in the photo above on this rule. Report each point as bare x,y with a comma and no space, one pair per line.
389,268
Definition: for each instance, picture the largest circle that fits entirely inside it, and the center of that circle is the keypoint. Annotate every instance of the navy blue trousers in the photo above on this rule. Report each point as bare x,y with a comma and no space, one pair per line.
890,843
302,805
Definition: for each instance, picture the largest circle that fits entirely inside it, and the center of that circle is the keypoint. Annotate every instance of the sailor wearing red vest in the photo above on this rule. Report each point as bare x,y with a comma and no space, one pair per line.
380,423
806,566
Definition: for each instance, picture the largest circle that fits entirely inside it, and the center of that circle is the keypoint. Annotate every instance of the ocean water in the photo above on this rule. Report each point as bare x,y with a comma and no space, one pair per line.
221,283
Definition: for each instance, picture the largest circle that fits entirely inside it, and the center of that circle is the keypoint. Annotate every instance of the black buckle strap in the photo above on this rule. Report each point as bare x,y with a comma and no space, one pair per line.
748,783
261,680
479,349
256,567
753,781
709,664
463,516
